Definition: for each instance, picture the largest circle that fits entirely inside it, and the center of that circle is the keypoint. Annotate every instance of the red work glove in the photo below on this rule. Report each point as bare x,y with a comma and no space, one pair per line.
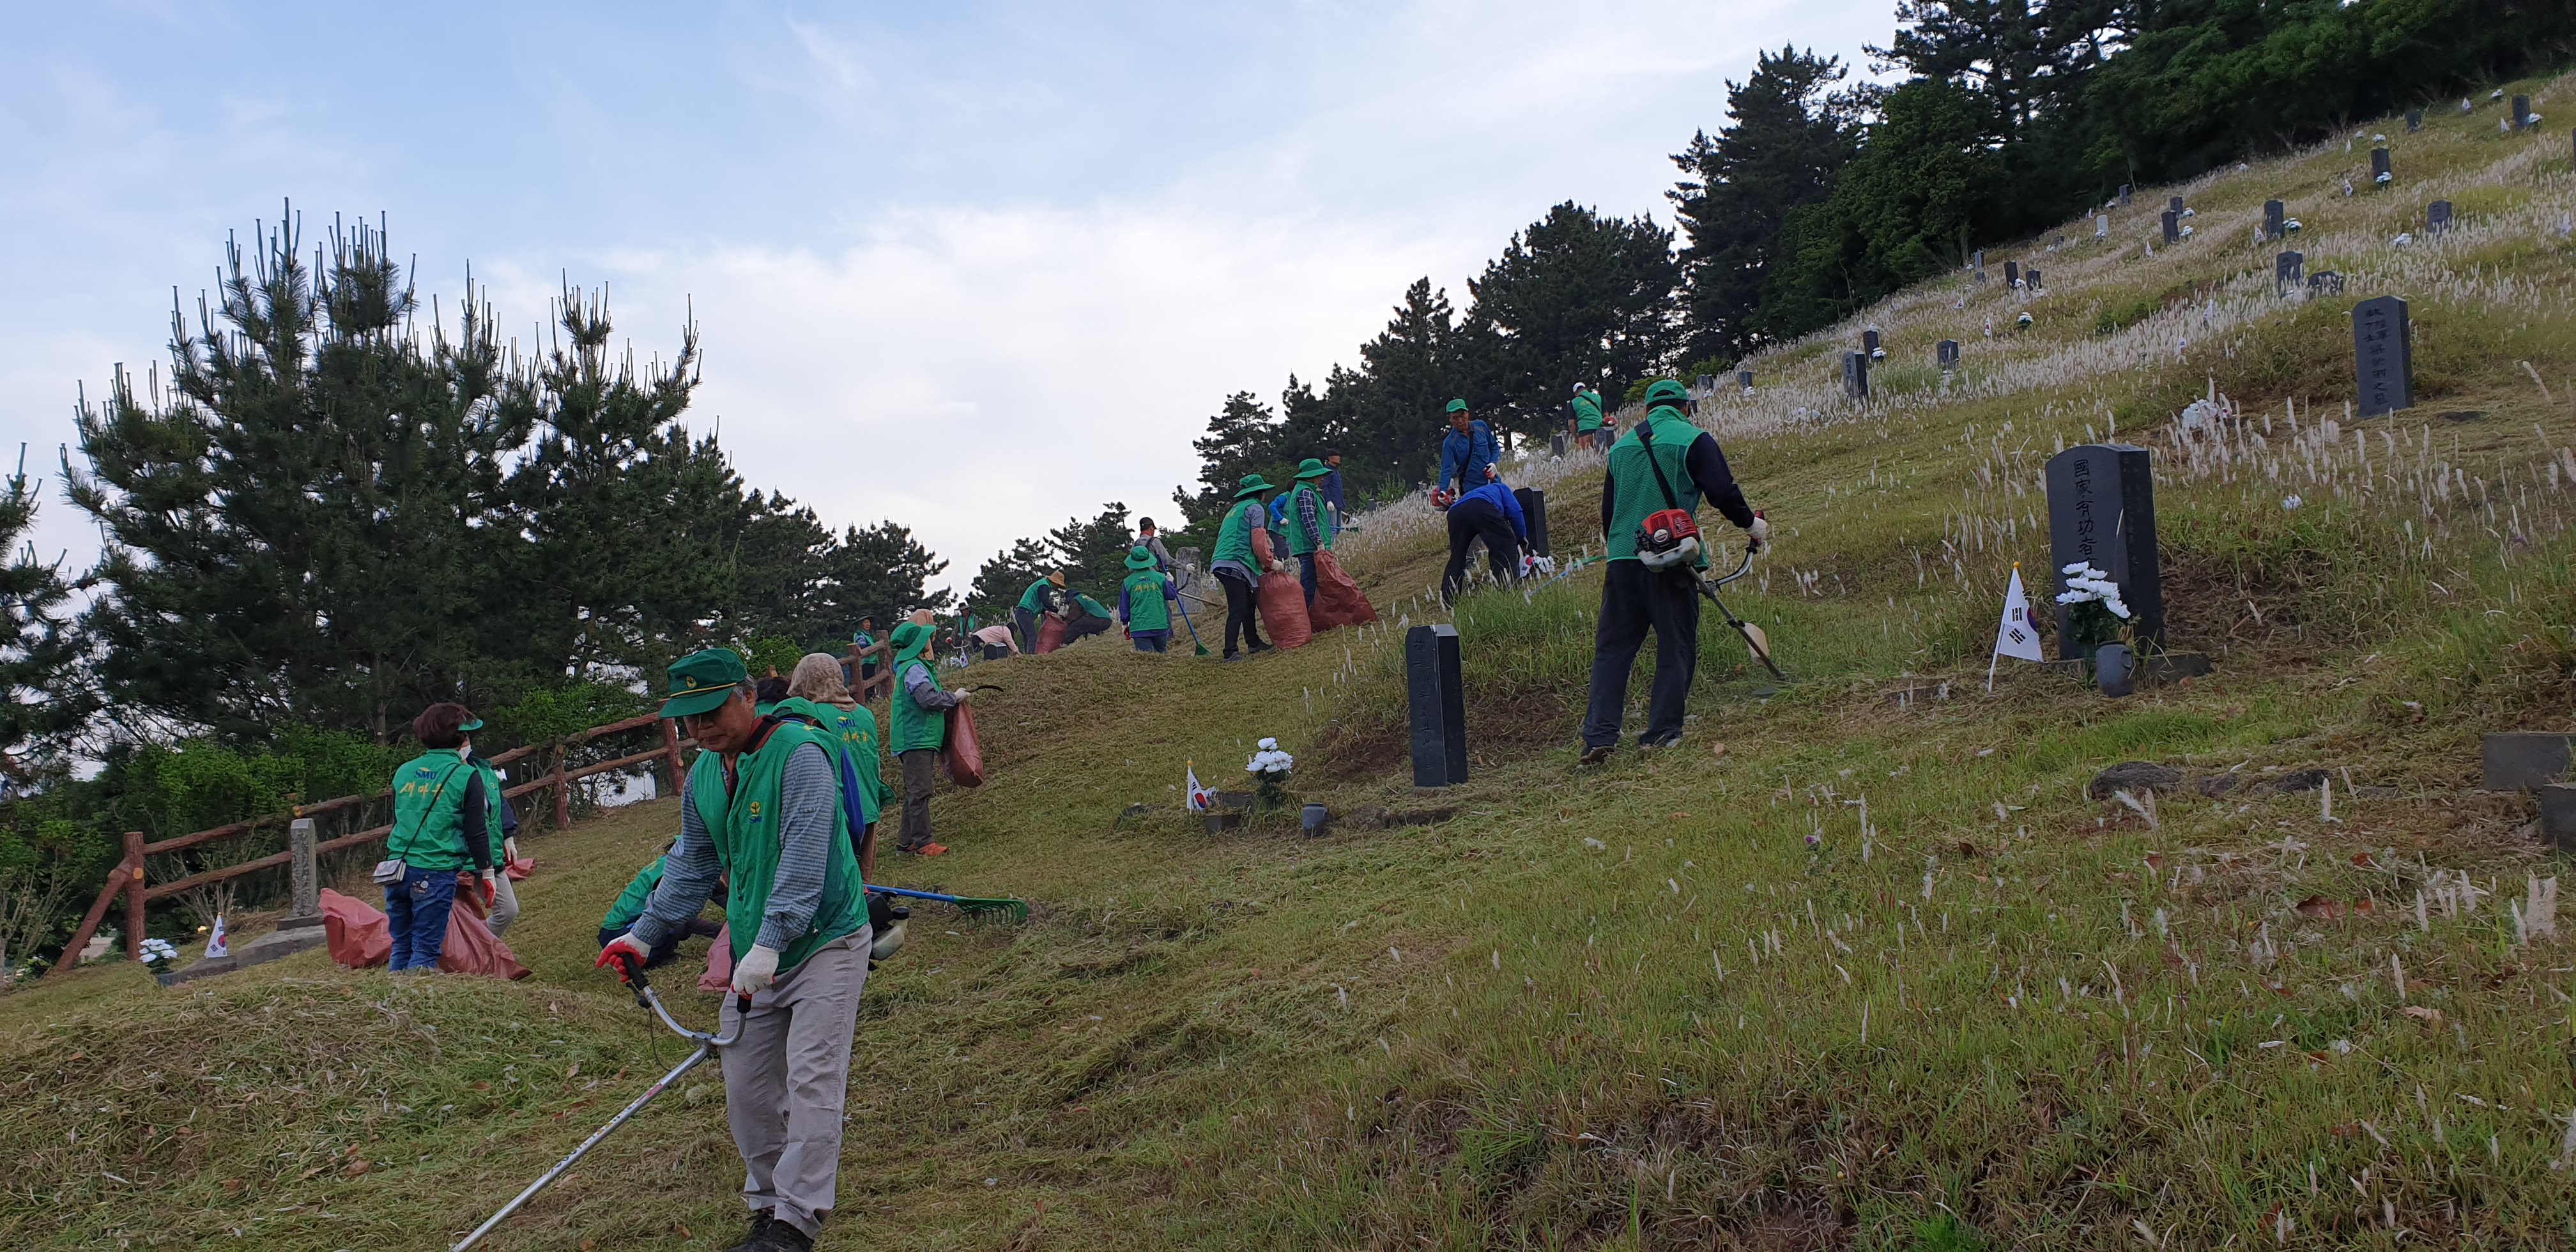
622,954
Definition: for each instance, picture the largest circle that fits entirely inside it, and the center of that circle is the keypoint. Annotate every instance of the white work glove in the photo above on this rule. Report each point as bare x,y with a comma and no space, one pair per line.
1760,533
964,695
755,971
510,850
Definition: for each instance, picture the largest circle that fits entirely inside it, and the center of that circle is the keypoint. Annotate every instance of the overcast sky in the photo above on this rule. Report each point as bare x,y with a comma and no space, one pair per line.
973,267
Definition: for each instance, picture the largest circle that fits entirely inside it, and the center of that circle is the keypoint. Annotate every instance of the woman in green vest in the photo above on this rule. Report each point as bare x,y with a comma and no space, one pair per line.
850,730
440,828
1237,569
1310,524
501,826
917,719
762,807
1145,601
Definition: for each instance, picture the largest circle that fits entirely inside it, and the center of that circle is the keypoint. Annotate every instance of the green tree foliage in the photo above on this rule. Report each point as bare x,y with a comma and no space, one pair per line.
41,698
1575,297
1089,552
1001,580
1789,136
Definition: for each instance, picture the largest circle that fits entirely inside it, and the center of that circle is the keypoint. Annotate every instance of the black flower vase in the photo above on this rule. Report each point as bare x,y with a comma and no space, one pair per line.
2115,669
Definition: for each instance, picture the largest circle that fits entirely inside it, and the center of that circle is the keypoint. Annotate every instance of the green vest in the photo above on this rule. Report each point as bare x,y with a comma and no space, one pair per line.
912,725
1587,412
630,902
491,804
1234,538
1634,490
1301,543
1035,598
1146,608
429,811
851,737
744,826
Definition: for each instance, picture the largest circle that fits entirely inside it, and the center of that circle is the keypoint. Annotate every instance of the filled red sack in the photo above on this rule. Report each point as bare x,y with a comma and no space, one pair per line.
1338,601
963,756
472,948
1050,633
358,934
1283,610
719,975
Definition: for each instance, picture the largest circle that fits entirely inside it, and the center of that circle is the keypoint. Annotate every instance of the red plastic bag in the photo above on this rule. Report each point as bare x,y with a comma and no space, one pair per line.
1050,633
472,948
521,868
719,975
1283,610
359,936
964,754
1338,601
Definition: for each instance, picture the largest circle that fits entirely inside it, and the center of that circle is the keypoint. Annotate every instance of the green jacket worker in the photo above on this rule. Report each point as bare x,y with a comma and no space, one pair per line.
1044,596
1236,568
1664,463
1145,601
441,826
917,728
1310,522
762,807
815,693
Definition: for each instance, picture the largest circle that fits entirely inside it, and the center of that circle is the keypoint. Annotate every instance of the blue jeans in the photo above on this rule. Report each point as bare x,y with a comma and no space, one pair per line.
1306,576
1151,640
416,911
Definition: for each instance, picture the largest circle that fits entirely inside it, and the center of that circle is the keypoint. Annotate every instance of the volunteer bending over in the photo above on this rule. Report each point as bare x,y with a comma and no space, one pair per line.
763,802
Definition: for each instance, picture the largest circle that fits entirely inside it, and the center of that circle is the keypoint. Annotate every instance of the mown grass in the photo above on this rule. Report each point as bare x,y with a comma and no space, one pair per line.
1632,1007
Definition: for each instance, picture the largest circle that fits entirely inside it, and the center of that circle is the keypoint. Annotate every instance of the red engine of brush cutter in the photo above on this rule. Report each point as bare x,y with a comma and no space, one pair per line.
1667,539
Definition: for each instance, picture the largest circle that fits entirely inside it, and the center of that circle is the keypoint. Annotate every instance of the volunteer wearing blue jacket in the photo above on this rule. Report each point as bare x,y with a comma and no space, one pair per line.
1664,462
1492,513
1467,452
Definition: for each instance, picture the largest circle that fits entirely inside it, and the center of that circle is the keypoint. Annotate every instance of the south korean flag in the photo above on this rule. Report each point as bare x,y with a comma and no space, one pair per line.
2018,635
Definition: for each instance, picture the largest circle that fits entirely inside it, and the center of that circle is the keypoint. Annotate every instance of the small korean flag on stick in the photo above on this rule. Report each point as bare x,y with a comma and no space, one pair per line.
1199,799
2018,636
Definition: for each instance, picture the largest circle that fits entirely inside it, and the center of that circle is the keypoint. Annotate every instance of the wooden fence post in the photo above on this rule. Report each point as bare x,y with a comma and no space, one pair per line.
671,745
563,793
134,896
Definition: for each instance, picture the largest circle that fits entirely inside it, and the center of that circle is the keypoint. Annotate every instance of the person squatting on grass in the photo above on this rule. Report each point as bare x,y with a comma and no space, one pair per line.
1145,602
441,827
1085,617
918,728
1236,567
1492,513
1664,462
762,805
630,905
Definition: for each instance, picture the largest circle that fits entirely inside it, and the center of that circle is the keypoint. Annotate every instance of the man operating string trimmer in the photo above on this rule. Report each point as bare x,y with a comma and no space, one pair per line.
1657,475
763,804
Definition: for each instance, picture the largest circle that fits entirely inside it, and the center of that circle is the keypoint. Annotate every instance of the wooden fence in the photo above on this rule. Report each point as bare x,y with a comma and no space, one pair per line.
128,878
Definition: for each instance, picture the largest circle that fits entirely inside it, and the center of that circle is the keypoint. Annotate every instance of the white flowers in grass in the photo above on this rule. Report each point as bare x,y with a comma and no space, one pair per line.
1270,760
2087,585
2291,501
158,952
2289,225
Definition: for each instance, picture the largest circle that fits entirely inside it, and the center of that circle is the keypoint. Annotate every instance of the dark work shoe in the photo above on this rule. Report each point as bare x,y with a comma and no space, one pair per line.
1258,648
1234,656
783,1237
758,1240
1598,754
1668,739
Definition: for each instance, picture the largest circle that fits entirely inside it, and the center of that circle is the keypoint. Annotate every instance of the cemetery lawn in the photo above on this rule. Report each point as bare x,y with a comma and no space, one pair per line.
1863,963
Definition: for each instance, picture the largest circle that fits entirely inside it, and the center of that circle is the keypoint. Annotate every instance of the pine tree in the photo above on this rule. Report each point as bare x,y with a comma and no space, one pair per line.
42,697
1575,297
1006,576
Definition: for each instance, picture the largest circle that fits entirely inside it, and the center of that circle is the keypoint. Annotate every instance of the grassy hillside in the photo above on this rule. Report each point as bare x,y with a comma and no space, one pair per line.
1863,963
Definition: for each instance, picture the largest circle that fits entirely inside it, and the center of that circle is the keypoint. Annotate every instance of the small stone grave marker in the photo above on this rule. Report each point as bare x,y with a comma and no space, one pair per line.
2325,283
2012,273
2414,120
2174,205
2173,228
2102,511
1946,353
2437,217
2521,112
1744,379
2289,272
2382,356
2031,276
2101,225
1534,517
1438,705
2274,215
1869,340
1856,375
2380,171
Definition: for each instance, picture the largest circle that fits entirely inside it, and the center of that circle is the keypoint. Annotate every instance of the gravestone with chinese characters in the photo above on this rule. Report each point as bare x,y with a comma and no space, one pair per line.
1856,375
2383,360
2414,120
2289,272
2274,217
2102,512
2173,227
1438,700
2012,273
2380,171
2437,217
1869,340
1946,353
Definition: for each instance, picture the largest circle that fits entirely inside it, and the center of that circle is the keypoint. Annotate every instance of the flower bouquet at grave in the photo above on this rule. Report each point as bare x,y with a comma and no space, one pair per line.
159,956
1269,768
2096,615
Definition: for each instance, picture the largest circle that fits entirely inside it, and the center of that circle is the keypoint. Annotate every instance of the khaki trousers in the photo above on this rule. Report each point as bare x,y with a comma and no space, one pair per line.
787,1077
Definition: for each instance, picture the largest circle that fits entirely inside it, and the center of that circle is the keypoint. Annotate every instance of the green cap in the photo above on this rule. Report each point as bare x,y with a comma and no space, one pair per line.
1312,467
1139,558
471,724
1457,406
1250,485
1667,389
702,680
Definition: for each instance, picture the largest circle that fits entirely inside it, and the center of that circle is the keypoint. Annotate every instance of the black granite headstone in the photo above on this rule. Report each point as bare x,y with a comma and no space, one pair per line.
1704,383
1856,375
1946,353
2124,195
1744,379
2379,167
2012,273
2173,227
1556,445
2174,206
1869,340
2383,358
1439,706
2437,217
2274,215
2325,283
2102,511
2521,112
2289,271
2031,277
2414,120
1534,516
